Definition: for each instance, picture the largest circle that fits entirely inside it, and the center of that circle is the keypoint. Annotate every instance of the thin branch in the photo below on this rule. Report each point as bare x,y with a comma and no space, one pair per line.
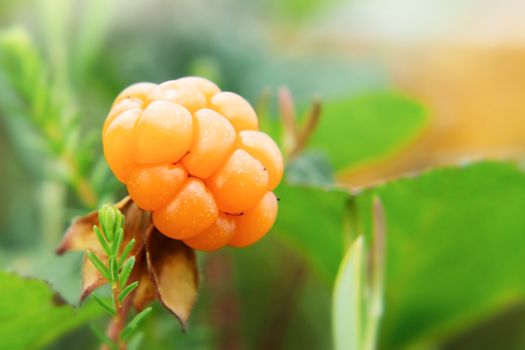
117,323
287,111
312,120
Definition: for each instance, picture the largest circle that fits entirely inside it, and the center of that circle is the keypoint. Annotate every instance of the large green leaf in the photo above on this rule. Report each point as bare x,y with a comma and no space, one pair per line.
368,127
32,315
312,219
455,250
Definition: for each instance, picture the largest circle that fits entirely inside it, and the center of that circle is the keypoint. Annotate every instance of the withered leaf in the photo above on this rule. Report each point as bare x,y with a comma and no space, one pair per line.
173,270
79,235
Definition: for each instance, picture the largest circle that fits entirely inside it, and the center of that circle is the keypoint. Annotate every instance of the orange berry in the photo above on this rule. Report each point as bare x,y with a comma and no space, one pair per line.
213,138
215,237
164,133
139,90
120,107
256,222
236,109
263,148
180,93
191,211
153,186
204,85
193,156
239,183
119,143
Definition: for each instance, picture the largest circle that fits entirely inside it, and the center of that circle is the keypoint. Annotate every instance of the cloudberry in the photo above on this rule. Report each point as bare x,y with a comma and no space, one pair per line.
193,155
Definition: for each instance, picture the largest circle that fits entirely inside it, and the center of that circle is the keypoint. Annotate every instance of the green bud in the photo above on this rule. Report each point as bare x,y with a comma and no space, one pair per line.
119,221
106,217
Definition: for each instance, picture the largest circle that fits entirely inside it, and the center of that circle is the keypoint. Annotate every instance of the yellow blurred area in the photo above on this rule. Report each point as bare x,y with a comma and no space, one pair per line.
464,60
476,100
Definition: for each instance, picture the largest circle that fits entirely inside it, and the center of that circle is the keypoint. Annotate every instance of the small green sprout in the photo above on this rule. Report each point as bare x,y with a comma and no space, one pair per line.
116,267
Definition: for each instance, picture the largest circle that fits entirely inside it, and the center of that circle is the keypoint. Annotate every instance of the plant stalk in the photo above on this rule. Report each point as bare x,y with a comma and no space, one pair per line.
117,323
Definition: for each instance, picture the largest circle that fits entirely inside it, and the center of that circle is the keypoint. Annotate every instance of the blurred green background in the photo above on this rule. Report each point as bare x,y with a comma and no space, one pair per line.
422,108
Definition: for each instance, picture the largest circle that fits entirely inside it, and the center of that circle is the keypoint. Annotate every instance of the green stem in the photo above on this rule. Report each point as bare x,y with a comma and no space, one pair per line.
117,323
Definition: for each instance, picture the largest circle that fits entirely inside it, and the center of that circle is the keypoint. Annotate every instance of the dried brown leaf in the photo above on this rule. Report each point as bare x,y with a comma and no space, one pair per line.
136,223
145,293
173,270
80,236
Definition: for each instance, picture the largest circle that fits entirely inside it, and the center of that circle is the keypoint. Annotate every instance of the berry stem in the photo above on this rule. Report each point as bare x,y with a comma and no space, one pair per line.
116,324
295,137
117,320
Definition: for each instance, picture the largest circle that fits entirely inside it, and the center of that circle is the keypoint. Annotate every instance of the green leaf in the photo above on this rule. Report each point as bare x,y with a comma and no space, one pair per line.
106,217
135,322
32,315
99,265
126,270
455,250
126,251
119,236
311,219
105,305
125,292
119,218
102,240
347,308
367,128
